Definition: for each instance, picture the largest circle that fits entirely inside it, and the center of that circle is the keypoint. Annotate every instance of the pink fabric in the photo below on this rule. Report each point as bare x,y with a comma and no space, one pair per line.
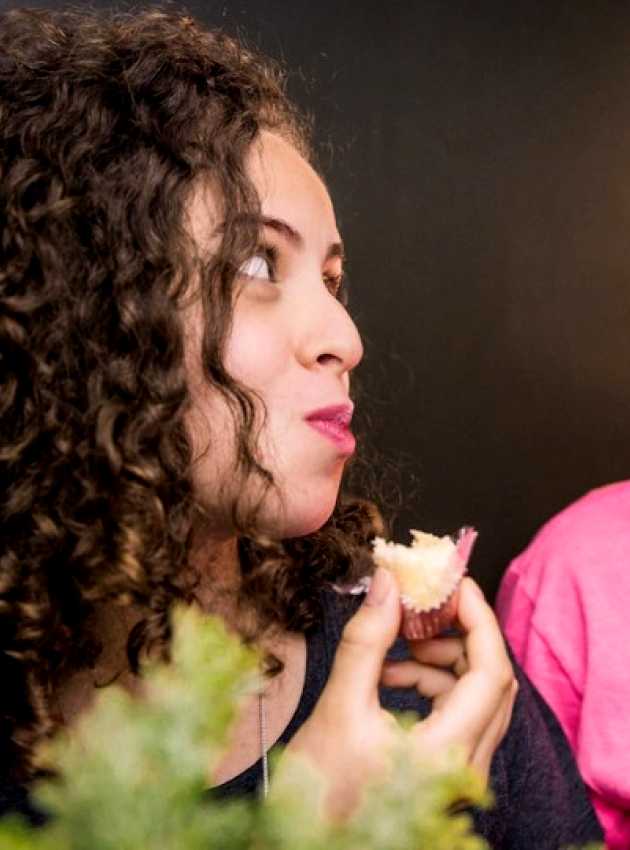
564,605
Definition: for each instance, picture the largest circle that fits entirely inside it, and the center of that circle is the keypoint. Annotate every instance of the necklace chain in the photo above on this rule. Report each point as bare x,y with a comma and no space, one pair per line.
262,727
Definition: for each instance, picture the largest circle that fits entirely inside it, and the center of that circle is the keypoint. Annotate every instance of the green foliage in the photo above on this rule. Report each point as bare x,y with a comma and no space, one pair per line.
412,809
134,773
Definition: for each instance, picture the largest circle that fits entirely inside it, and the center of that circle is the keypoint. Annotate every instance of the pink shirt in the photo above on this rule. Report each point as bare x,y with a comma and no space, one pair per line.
564,605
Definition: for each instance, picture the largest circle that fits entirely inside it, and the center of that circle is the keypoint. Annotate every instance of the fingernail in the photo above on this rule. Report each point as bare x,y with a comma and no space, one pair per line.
379,588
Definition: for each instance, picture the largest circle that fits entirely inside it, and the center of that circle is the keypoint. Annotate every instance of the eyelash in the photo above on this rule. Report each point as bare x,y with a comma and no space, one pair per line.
335,284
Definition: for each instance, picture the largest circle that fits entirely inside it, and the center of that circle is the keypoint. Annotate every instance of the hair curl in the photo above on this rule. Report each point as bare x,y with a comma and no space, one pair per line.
106,122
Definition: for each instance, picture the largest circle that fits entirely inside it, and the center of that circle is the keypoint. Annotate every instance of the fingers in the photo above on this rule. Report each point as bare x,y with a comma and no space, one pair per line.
430,681
435,667
494,733
364,643
483,639
476,711
441,652
474,714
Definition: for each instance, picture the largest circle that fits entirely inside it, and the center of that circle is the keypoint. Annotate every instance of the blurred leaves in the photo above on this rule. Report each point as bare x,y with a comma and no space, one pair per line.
134,774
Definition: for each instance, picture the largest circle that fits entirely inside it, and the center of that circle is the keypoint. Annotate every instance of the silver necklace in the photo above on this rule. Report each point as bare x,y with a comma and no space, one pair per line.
262,728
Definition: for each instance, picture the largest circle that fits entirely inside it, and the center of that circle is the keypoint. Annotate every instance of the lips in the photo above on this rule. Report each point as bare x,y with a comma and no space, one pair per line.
334,423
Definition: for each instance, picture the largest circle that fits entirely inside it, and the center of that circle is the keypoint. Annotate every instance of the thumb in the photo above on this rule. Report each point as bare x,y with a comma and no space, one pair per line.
364,643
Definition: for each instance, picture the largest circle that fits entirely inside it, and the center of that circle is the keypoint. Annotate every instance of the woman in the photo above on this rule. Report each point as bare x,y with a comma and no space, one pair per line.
175,419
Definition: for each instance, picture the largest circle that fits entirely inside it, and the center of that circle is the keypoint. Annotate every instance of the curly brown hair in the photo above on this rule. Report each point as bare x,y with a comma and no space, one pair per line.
107,120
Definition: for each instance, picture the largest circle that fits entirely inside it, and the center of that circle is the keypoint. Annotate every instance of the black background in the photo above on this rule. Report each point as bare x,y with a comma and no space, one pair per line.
478,154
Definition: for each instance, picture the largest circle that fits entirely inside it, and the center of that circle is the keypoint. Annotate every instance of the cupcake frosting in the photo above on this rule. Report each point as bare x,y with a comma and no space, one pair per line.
427,571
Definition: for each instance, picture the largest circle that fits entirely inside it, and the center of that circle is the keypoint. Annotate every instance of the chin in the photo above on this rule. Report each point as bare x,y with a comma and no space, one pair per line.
305,528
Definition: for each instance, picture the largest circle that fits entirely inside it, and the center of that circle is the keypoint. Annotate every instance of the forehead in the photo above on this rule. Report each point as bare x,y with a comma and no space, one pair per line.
290,189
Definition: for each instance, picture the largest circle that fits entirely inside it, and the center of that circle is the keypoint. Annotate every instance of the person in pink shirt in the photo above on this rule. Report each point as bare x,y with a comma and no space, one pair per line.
564,605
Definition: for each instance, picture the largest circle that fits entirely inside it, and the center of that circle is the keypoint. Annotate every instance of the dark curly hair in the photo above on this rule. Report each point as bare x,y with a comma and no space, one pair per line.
107,120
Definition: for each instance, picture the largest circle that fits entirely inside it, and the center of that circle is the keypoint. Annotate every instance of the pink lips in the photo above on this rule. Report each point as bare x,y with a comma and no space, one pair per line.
334,423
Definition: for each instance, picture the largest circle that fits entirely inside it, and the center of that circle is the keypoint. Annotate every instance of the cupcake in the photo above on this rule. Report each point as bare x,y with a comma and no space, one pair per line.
428,573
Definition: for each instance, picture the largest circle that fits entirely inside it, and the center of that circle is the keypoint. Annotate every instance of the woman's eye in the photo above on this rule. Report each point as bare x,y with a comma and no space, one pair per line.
334,284
259,266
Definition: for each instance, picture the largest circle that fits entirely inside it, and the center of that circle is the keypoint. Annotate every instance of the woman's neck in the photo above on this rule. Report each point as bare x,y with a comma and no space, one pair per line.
216,566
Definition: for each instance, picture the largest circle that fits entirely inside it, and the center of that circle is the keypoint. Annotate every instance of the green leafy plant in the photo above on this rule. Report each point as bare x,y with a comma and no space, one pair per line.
134,774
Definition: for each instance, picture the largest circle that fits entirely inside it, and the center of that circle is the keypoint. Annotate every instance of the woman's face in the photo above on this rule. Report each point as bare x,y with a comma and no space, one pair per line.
292,342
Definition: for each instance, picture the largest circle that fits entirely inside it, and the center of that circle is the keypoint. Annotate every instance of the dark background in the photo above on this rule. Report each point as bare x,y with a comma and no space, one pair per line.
478,154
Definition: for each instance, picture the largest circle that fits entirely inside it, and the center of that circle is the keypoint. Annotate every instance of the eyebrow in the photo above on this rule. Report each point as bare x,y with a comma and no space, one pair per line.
335,249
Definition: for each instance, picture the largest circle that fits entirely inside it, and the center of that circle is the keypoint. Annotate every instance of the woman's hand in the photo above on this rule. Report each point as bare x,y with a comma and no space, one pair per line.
470,679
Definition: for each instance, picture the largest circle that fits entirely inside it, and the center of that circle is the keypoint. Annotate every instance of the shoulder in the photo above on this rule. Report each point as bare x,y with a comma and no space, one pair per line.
592,519
562,606
589,541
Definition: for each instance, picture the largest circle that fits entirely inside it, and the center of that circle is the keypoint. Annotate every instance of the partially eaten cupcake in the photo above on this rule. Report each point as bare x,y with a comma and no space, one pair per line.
428,574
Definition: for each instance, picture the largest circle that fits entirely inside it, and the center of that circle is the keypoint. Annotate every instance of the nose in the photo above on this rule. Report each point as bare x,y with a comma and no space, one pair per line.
331,339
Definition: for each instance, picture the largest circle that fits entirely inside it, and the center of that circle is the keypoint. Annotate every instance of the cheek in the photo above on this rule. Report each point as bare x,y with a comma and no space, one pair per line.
211,434
257,351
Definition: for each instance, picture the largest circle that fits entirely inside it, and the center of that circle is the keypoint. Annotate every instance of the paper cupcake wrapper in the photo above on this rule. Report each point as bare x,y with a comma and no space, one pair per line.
423,624
420,625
